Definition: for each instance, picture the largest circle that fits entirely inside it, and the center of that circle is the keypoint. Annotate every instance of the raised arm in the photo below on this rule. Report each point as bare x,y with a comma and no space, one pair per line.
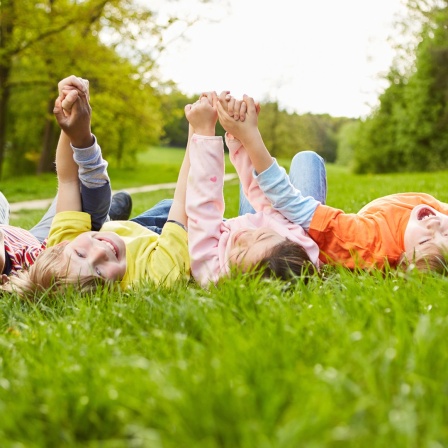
246,131
270,177
177,211
75,125
205,199
234,119
69,195
205,126
94,179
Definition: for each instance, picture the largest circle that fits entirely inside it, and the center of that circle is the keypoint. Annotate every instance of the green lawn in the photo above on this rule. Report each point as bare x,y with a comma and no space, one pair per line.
350,360
157,165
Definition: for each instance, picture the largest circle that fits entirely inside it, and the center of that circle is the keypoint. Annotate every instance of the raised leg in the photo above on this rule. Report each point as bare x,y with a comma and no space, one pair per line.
307,173
155,218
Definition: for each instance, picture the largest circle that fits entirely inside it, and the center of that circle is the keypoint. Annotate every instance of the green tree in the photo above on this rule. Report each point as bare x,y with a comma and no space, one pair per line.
377,146
175,129
44,41
286,134
408,131
346,143
426,96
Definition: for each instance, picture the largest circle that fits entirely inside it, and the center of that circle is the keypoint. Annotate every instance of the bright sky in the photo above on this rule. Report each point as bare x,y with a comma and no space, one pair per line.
319,56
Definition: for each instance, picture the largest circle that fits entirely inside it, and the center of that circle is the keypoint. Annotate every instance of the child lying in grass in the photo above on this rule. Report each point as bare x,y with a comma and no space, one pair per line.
19,248
123,252
265,241
403,227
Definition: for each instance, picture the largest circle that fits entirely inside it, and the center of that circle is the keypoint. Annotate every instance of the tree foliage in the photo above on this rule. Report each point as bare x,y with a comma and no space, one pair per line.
284,133
408,131
115,44
42,42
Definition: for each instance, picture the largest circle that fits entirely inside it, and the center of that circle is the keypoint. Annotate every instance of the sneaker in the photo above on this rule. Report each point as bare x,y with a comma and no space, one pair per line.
4,210
120,207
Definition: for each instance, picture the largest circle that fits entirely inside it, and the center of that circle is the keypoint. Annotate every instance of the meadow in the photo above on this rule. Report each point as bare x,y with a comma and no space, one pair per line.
352,359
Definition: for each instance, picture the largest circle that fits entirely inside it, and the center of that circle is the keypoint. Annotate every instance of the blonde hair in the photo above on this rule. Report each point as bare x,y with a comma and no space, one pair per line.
49,274
434,259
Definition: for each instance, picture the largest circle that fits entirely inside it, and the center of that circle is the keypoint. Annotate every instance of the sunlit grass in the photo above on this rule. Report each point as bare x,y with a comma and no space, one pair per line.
349,360
354,360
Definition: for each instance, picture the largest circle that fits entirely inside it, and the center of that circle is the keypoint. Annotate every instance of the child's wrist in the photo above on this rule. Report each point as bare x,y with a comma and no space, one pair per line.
250,139
207,131
85,141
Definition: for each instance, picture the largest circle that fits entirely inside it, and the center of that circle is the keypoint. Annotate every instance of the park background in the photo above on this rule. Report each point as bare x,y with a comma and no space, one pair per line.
117,46
351,359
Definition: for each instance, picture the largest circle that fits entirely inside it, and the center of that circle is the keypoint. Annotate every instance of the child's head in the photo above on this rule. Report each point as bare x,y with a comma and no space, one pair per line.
287,260
91,259
100,254
426,238
434,259
48,273
266,250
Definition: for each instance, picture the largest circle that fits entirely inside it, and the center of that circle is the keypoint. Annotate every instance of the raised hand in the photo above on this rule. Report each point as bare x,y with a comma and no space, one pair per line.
73,113
236,108
228,109
73,83
202,114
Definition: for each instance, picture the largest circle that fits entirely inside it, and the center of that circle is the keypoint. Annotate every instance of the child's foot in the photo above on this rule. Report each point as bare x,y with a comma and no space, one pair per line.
120,207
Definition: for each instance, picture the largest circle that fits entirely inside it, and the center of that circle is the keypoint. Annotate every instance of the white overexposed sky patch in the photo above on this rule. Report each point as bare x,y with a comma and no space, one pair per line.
321,56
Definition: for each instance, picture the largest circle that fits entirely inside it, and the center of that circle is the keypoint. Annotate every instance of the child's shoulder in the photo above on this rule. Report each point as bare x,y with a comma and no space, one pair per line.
67,226
70,218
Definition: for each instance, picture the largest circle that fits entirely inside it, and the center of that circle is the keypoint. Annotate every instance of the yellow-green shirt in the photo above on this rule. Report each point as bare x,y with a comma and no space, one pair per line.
162,259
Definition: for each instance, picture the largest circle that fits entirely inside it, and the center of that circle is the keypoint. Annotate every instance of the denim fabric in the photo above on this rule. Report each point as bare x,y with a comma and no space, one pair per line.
155,218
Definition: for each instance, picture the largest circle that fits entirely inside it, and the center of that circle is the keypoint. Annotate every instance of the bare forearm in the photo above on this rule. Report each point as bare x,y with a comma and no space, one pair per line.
256,149
66,167
177,211
69,197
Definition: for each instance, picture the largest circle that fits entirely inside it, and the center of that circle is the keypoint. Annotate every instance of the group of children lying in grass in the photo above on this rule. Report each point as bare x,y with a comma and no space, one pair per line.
284,230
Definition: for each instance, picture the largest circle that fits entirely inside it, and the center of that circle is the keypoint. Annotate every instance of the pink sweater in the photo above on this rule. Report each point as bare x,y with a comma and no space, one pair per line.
209,237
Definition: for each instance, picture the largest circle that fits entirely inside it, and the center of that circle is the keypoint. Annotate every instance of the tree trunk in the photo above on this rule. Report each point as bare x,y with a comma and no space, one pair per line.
120,148
46,161
4,99
7,14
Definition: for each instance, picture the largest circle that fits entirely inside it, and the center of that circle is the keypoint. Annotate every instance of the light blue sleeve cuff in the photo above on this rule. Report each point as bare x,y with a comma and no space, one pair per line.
284,197
92,168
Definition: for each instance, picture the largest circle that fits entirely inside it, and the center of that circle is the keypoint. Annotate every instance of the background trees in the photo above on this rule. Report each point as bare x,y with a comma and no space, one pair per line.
116,44
44,41
408,131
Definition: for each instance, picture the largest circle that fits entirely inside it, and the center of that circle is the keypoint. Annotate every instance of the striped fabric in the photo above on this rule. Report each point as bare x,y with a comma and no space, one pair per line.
21,247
